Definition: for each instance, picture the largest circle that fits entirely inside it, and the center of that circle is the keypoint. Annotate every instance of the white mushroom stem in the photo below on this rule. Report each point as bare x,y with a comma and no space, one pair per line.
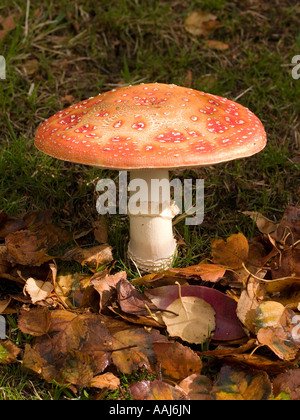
152,245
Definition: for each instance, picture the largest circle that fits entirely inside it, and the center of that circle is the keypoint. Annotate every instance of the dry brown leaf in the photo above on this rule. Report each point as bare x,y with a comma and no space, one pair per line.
248,303
35,322
76,348
8,352
216,45
155,390
232,253
133,348
264,224
176,360
100,230
8,23
93,257
4,264
288,382
197,387
30,247
106,284
37,289
4,303
200,23
106,380
30,67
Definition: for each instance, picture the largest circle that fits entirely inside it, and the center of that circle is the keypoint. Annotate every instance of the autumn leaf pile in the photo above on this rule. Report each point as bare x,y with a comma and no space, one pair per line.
226,328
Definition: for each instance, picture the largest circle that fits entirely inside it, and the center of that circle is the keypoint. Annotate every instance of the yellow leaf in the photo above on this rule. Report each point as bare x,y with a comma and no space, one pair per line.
201,23
194,320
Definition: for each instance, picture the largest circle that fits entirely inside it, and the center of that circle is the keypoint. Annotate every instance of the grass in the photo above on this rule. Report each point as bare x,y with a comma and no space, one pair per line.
64,52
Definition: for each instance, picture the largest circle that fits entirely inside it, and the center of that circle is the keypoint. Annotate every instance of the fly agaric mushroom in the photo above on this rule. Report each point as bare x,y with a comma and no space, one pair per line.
149,129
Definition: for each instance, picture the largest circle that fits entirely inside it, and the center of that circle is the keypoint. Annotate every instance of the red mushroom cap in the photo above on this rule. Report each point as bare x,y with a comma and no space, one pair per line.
152,126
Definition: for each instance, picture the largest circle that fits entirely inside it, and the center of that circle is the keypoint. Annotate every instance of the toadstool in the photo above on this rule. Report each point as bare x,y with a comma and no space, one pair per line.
149,129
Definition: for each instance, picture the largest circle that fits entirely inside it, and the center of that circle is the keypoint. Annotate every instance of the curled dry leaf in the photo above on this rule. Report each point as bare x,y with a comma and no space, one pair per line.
106,284
264,224
93,257
248,303
276,329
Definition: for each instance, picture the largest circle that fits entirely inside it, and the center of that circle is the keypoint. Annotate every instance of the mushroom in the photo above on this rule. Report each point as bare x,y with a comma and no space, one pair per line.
149,129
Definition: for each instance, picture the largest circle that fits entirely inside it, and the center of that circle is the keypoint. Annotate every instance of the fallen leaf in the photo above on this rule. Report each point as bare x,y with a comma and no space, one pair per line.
30,67
106,380
197,387
4,303
200,23
268,314
155,390
76,348
255,361
289,226
232,253
131,300
35,322
10,224
30,248
4,264
69,288
37,289
236,384
216,45
8,23
277,332
288,382
264,224
93,257
228,327
133,348
193,319
248,303
100,230
287,264
105,284
8,352
176,360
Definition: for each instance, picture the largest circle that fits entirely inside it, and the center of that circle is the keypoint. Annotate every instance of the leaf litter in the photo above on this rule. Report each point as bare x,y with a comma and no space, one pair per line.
238,307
